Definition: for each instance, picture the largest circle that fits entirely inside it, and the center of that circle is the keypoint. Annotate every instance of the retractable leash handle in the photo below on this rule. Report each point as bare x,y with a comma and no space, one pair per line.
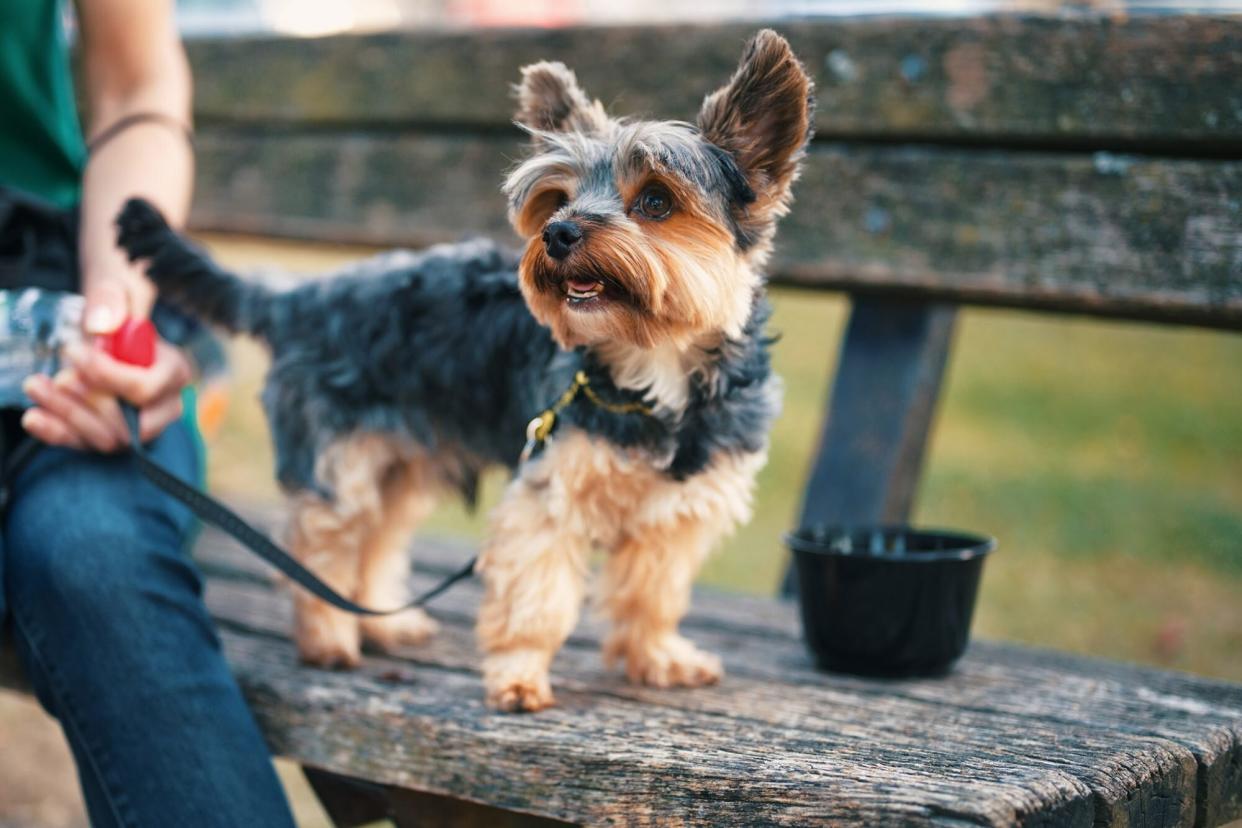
134,343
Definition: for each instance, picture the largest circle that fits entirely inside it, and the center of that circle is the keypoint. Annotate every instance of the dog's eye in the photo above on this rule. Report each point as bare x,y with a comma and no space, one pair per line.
655,203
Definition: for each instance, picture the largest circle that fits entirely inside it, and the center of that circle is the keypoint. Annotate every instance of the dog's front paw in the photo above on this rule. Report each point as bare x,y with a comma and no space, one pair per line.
521,697
666,661
328,638
406,628
517,681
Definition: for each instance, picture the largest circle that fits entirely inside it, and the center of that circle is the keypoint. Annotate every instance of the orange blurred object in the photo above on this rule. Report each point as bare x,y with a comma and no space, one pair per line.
213,404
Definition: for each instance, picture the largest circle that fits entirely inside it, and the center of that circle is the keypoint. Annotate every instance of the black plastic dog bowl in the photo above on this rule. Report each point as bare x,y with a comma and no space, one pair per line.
887,601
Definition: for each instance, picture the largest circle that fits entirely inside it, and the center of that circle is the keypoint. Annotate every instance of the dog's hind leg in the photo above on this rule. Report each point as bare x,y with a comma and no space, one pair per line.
329,538
409,496
326,539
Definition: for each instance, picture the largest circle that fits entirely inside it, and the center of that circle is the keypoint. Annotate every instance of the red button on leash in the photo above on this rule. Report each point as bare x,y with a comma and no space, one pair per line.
132,343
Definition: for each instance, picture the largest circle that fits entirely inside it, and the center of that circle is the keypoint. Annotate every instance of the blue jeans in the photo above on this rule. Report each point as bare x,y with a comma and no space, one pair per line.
106,611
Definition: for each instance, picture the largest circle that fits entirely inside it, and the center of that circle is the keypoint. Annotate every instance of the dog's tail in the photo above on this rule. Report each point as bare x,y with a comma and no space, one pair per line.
187,276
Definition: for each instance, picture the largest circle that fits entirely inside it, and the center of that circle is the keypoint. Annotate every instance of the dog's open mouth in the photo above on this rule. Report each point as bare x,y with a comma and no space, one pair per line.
583,290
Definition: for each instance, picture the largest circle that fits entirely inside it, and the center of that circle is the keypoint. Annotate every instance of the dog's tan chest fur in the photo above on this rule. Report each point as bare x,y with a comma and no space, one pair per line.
603,492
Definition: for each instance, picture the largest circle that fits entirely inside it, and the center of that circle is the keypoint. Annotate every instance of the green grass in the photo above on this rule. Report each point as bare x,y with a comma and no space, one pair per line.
1106,457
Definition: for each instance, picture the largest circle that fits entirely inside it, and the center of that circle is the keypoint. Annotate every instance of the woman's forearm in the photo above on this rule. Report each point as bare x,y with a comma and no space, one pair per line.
130,73
148,160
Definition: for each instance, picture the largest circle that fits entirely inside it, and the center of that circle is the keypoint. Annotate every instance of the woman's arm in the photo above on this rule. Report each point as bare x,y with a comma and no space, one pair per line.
133,63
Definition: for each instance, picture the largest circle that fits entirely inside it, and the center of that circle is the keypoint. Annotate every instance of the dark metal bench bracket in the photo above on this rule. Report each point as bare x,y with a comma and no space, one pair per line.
879,415
351,803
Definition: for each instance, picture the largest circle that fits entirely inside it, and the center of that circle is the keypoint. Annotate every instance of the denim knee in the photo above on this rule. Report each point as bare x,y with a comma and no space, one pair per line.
94,573
88,548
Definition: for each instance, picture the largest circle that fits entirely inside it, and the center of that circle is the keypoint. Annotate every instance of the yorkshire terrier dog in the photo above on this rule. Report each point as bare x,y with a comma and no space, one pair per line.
619,367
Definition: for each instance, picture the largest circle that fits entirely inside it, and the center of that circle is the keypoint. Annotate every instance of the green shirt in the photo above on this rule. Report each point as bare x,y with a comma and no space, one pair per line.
41,146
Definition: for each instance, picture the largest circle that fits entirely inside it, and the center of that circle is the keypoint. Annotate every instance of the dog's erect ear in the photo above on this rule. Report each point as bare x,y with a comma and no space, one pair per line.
763,116
550,100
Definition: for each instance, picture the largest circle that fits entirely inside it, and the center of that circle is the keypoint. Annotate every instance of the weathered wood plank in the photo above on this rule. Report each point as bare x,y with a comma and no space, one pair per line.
1085,80
1137,756
1031,723
741,616
1126,236
598,758
866,467
1122,773
1098,234
764,636
411,190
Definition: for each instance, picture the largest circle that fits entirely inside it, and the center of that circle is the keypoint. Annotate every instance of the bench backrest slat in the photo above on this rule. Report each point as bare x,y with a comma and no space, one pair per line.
981,161
1110,235
1098,81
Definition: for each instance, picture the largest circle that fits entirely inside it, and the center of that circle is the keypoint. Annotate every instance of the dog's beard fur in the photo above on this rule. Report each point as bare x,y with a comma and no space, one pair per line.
677,282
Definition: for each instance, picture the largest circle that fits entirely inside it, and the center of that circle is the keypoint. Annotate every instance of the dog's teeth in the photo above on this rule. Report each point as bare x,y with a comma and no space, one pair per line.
594,291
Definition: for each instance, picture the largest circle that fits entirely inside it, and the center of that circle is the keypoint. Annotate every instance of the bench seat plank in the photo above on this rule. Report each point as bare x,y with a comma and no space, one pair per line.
1146,80
1136,237
1014,736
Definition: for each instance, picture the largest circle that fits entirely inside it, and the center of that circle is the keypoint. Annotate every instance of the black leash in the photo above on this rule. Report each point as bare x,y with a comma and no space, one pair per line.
209,510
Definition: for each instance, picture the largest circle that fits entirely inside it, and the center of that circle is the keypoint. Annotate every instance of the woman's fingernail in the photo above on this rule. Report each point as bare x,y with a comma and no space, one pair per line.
30,419
32,384
101,319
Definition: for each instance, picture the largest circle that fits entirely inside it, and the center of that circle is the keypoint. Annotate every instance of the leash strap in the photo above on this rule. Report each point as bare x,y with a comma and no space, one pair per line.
212,511
209,510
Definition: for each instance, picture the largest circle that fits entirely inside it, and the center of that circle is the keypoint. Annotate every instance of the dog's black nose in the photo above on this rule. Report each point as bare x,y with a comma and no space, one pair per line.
559,238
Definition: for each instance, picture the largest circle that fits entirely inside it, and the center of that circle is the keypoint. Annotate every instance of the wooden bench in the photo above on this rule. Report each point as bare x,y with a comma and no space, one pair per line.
1084,165
1014,735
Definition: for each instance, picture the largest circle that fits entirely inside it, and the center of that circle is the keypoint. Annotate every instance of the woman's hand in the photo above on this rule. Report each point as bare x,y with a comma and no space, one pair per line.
114,290
78,407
